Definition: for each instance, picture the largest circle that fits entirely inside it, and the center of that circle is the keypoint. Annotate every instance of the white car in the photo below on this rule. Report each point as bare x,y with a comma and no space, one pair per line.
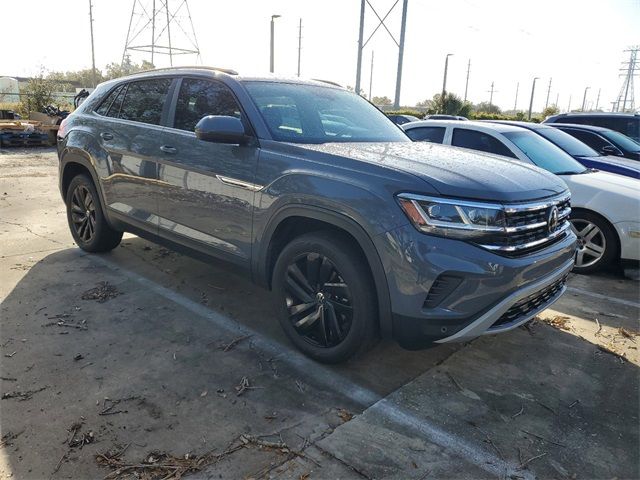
605,207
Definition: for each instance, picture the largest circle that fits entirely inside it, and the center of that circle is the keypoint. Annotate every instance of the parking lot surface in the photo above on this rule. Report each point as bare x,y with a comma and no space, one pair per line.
143,360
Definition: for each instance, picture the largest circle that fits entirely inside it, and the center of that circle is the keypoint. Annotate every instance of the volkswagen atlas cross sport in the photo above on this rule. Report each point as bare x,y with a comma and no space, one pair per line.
358,231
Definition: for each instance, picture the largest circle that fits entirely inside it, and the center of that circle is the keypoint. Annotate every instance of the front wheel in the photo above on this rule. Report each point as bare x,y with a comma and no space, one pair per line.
597,242
325,297
87,222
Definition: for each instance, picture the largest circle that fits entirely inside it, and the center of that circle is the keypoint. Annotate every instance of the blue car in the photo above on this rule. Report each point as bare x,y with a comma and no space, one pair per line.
583,153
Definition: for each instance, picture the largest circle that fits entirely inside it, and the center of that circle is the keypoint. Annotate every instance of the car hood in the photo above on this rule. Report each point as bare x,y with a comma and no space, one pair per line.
595,183
453,171
619,161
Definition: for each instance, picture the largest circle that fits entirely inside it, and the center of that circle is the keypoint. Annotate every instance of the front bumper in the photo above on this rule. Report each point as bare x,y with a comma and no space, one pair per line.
489,293
517,308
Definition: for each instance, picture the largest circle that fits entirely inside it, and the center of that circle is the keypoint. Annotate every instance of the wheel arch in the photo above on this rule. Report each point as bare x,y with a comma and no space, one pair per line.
292,221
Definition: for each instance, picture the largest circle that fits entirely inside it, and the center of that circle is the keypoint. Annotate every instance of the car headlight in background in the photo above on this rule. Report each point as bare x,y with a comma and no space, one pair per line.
452,218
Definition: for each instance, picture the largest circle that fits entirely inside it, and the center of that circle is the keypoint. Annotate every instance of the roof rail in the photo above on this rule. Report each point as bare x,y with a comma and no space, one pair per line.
228,71
327,81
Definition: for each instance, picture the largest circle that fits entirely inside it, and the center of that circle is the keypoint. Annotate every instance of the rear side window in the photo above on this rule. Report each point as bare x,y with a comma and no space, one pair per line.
199,98
426,134
463,137
144,101
104,107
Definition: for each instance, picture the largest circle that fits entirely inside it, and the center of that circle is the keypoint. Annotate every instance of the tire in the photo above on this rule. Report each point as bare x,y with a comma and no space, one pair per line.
86,219
597,242
325,297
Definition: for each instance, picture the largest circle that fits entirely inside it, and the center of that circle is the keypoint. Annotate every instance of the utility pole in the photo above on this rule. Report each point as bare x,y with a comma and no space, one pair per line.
515,103
166,4
403,29
444,81
360,46
491,96
93,55
371,76
627,90
598,99
557,98
153,32
466,86
569,107
533,89
272,42
546,104
584,98
299,44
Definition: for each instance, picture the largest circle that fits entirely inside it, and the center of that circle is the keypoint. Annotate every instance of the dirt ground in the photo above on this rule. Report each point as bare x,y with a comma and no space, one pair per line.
143,361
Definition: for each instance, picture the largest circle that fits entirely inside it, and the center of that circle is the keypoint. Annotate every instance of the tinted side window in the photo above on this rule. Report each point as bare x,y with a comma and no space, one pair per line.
108,101
426,134
199,98
479,141
594,141
144,101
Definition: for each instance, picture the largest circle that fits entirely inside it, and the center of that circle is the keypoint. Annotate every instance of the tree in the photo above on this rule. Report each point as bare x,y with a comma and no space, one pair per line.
351,89
450,104
127,67
381,100
487,108
37,94
550,110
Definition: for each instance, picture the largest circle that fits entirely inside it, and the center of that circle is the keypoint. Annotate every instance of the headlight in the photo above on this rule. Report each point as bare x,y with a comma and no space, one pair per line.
453,218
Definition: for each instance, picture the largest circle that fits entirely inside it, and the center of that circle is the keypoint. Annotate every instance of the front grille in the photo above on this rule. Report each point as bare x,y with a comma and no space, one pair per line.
532,302
528,228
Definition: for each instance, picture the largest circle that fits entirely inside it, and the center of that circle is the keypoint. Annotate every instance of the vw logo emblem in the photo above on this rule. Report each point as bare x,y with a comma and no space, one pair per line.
552,220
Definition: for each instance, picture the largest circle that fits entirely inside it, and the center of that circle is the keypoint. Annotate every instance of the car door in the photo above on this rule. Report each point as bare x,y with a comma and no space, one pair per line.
595,141
482,141
207,192
131,133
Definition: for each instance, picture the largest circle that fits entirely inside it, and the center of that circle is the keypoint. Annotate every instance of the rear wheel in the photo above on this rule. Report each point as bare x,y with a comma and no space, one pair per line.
597,242
87,223
325,297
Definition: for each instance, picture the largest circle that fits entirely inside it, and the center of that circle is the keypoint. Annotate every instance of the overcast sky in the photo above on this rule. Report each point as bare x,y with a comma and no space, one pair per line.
579,43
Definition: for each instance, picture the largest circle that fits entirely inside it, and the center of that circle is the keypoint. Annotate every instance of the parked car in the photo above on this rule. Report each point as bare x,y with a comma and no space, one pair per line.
603,140
605,206
356,230
586,155
401,119
626,123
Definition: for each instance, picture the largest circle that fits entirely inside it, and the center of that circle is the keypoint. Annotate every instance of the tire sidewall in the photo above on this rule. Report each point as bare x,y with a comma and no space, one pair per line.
345,261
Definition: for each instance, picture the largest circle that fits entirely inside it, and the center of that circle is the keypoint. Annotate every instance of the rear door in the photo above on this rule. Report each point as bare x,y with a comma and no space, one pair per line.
131,133
207,190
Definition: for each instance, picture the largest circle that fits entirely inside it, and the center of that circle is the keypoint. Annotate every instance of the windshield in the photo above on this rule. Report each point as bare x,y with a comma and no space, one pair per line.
313,114
566,142
544,154
622,140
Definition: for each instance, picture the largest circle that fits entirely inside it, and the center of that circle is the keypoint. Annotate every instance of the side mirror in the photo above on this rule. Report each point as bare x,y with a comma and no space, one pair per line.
220,129
610,150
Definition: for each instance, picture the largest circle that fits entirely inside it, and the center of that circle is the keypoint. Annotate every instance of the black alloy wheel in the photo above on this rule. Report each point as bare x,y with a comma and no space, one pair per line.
325,296
86,218
83,213
318,300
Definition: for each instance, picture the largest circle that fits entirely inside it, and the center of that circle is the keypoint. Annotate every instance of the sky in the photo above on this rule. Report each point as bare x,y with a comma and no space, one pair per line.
575,43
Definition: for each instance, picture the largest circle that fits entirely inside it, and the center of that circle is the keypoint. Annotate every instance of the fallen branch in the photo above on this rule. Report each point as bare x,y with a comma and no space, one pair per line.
522,465
543,439
233,343
22,396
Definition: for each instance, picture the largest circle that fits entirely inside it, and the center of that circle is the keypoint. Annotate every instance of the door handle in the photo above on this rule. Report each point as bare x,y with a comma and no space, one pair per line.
168,149
106,136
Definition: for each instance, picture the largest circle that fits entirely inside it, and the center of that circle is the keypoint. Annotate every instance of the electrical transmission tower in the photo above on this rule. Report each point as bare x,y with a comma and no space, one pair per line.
625,101
161,27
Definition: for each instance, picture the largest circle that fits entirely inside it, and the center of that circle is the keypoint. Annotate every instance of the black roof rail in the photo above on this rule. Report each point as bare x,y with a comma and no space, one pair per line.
228,71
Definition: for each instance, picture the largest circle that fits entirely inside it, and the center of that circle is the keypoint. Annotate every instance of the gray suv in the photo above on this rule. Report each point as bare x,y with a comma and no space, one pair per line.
358,231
